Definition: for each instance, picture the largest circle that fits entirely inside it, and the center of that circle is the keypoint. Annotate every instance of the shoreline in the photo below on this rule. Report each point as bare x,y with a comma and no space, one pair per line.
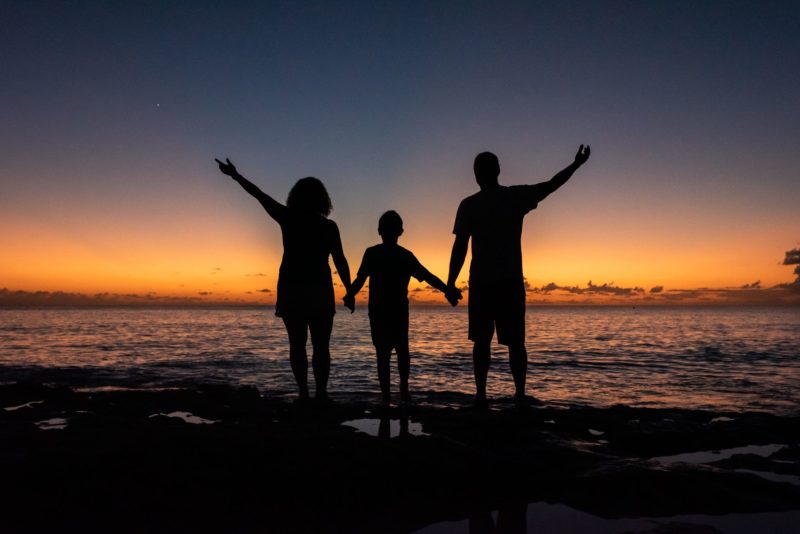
223,457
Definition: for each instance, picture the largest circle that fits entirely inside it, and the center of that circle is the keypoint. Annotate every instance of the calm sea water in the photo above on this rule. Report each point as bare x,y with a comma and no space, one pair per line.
716,358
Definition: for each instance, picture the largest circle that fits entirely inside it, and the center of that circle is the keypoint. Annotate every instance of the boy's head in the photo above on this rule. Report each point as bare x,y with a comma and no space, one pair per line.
390,226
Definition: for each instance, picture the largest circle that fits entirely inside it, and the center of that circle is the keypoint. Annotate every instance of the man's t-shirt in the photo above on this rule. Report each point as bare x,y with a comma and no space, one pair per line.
389,268
493,219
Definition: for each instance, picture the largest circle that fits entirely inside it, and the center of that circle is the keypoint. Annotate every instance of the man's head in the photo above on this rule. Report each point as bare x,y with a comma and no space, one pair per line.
390,226
487,169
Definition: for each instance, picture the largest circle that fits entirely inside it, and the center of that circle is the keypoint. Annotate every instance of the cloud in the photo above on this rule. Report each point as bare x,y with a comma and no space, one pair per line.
590,289
552,286
216,270
265,290
205,293
256,275
64,298
792,257
656,289
754,285
611,289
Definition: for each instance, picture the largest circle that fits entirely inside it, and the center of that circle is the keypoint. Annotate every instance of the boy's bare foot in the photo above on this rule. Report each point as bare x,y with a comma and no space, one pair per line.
481,403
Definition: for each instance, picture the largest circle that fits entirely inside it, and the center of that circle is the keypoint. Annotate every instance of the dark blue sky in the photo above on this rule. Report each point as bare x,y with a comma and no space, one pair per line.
115,110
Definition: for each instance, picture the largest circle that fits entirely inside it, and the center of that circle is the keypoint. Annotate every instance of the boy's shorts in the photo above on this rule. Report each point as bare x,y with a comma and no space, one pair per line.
497,304
389,331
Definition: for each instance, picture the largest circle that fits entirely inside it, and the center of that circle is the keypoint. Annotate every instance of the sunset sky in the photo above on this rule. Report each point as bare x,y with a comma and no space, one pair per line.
112,115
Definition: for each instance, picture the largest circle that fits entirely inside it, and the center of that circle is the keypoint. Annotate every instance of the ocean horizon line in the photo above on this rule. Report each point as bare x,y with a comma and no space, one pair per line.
413,305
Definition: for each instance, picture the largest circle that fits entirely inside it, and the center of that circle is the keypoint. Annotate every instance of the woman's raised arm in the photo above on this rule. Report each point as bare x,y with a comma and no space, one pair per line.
274,208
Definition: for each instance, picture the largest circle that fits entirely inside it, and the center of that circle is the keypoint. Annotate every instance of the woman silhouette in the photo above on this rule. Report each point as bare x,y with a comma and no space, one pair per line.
305,288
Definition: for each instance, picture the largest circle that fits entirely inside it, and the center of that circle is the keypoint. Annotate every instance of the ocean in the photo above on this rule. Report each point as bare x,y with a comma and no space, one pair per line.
728,359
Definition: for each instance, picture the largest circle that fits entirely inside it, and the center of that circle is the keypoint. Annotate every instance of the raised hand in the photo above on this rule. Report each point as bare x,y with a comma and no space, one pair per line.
582,155
350,302
453,295
229,168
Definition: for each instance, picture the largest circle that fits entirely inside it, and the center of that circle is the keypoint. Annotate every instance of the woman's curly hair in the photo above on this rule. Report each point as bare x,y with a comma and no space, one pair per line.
309,194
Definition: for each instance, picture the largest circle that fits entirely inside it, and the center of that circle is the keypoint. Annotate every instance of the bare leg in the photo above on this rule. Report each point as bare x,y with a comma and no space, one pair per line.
385,428
298,335
518,359
384,355
481,357
403,367
321,358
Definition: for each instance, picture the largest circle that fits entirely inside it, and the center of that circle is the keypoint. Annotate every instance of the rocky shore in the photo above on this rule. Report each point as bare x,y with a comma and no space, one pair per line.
228,459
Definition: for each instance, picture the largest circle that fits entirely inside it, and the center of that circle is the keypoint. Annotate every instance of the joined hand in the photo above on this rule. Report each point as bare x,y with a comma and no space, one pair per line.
350,302
453,295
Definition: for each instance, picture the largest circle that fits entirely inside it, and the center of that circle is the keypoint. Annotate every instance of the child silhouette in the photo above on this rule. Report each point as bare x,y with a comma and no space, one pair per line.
390,267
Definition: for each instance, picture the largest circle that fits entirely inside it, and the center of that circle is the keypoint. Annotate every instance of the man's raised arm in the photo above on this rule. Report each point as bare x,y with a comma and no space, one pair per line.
545,188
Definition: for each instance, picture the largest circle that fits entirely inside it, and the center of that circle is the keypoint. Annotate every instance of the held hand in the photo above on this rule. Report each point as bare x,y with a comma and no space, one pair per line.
350,302
453,295
582,155
227,168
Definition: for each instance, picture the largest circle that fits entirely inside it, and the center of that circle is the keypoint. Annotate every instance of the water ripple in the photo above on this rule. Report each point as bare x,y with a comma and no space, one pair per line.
729,359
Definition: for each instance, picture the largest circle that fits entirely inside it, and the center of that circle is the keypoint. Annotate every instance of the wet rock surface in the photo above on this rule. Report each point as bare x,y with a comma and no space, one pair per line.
236,460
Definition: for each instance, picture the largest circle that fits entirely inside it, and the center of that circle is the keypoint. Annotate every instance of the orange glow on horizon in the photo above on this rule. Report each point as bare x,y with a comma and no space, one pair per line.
223,248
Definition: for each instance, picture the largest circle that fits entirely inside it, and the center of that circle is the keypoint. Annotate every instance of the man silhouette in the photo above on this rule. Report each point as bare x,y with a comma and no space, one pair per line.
493,219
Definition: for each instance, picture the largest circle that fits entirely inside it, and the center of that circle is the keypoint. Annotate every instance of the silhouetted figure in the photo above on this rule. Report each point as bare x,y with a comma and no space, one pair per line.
385,426
493,219
389,268
305,298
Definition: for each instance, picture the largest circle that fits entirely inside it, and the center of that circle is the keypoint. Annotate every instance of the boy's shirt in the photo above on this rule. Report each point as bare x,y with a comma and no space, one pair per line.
390,268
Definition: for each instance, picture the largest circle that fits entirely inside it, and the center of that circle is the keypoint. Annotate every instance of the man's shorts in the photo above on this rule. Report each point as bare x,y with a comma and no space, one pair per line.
500,305
389,331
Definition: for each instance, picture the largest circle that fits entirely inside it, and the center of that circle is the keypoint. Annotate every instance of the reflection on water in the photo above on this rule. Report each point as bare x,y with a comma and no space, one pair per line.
30,404
55,423
187,417
546,518
722,419
716,358
705,457
772,477
387,428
